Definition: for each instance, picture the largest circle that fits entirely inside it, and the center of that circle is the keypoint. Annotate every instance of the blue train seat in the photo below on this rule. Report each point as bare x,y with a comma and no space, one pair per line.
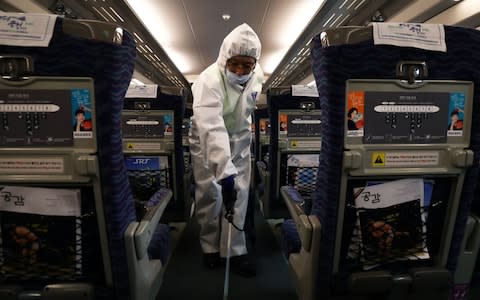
186,123
85,69
262,133
188,180
471,258
152,120
293,148
188,188
345,61
261,178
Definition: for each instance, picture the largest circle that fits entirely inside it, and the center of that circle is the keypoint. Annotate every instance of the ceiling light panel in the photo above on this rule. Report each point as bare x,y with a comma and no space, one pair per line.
109,15
100,14
456,14
116,14
288,20
351,4
337,16
148,47
414,9
359,4
164,27
343,4
138,37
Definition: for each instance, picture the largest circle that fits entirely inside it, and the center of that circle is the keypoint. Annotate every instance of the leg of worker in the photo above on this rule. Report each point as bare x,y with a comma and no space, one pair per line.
242,183
208,202
208,210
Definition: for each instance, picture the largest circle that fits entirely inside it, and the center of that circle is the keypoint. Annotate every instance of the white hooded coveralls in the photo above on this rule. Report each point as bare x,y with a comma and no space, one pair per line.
220,138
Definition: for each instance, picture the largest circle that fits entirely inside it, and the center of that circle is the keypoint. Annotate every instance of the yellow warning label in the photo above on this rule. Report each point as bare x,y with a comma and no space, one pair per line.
378,159
293,144
144,146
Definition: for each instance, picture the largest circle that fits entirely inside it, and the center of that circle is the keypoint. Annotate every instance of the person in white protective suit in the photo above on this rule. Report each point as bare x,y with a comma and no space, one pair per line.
224,97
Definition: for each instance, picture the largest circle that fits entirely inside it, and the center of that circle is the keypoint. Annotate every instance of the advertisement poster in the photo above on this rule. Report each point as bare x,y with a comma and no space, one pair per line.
283,123
168,124
264,126
355,113
456,114
81,113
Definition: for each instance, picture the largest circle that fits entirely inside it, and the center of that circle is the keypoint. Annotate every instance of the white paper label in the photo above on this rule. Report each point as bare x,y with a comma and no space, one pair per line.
26,30
31,165
411,159
303,160
304,90
423,36
142,91
42,201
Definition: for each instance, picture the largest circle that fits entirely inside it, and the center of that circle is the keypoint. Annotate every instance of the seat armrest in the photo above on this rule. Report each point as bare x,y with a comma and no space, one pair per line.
370,283
145,274
430,279
147,226
295,204
304,265
469,251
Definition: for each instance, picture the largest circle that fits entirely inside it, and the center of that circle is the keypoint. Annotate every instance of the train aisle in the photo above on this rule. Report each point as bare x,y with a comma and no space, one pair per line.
186,278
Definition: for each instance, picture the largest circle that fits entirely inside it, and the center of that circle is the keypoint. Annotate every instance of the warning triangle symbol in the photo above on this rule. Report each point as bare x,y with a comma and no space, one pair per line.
378,160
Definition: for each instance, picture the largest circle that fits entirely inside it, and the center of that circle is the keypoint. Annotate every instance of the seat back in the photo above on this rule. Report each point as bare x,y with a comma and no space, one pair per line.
185,144
295,139
473,258
262,134
106,54
349,53
188,188
261,145
152,141
47,209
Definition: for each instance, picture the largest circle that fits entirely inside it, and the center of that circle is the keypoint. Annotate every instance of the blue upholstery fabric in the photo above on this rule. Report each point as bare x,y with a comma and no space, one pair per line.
111,66
476,211
332,66
158,248
156,198
294,195
291,242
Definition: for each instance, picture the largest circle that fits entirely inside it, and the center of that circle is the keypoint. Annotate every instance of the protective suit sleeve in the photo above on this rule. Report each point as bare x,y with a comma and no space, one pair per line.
212,133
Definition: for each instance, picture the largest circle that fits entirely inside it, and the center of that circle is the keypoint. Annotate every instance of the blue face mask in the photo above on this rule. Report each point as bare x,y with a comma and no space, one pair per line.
237,79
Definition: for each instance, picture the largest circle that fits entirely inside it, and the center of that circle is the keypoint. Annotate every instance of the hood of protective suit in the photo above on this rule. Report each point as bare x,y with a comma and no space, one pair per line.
241,41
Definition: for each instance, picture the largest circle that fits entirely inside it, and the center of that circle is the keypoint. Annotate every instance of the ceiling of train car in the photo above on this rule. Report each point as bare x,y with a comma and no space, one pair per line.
192,31
189,33
177,39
